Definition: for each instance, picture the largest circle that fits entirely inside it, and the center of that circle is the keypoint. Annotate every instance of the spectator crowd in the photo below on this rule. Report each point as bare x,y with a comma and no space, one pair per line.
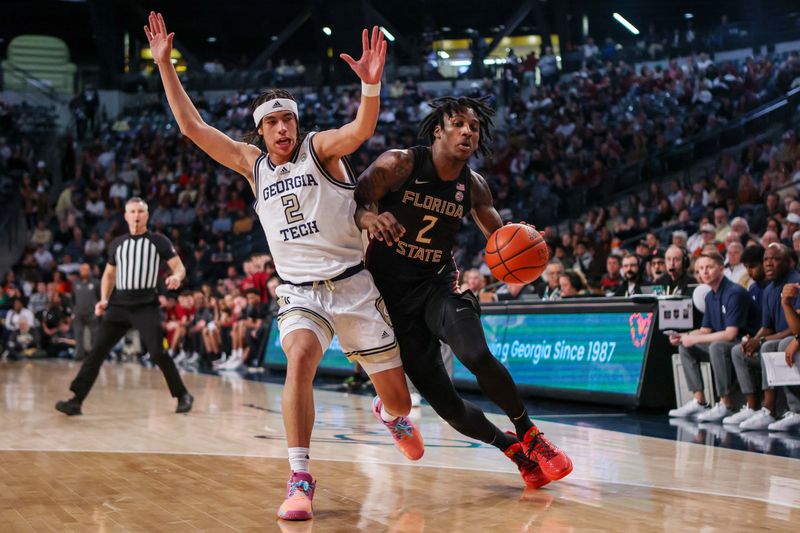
558,137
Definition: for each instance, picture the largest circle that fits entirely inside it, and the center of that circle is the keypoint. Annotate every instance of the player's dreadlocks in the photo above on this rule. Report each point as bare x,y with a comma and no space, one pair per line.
449,105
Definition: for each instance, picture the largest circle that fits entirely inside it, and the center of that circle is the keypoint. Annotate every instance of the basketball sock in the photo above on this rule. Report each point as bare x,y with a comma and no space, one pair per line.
501,440
522,423
298,459
386,416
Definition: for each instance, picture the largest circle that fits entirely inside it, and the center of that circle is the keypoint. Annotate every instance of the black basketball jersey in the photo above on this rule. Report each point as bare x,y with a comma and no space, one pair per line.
431,211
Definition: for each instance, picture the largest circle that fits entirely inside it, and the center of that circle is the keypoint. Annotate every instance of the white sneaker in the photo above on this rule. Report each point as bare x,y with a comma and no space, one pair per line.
691,408
786,423
180,357
416,399
193,358
743,414
222,358
715,414
761,420
231,364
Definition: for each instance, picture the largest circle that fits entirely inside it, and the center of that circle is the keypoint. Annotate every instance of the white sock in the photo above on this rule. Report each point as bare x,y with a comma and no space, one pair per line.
298,459
386,416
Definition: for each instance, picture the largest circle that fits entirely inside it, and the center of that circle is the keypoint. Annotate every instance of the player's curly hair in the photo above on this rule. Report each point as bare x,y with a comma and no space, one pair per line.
253,137
449,105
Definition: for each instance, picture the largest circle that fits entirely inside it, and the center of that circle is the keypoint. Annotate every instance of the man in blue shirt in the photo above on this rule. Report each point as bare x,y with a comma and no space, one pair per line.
730,312
791,418
774,336
753,261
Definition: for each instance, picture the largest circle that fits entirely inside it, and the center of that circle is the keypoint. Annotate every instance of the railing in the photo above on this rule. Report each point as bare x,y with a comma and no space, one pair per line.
35,83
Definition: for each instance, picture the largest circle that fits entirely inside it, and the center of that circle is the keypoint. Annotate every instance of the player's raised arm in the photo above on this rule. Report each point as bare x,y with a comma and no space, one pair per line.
235,155
483,212
336,143
385,174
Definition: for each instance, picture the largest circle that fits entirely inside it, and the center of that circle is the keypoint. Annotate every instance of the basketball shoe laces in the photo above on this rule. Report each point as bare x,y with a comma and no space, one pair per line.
541,447
523,460
400,428
303,486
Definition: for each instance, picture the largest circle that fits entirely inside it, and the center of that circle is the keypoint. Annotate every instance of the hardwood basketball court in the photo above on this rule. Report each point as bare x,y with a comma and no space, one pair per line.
131,464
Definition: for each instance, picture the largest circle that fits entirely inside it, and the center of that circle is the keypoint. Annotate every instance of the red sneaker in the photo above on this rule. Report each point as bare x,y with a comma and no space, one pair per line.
554,462
406,435
530,470
299,494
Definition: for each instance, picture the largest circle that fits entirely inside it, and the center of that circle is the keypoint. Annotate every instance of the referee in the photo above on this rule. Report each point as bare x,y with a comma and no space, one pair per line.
128,299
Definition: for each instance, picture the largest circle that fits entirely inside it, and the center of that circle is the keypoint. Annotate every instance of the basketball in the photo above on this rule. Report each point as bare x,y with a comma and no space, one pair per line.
516,253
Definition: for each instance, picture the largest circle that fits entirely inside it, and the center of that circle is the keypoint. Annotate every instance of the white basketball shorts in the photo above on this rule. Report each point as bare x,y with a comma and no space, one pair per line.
351,308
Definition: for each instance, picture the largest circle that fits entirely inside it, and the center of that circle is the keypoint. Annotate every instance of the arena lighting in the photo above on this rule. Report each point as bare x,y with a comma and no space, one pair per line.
443,54
628,26
388,34
212,39
327,31
688,16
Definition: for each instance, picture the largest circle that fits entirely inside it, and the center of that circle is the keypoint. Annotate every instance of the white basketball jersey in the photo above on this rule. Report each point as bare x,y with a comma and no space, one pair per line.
307,216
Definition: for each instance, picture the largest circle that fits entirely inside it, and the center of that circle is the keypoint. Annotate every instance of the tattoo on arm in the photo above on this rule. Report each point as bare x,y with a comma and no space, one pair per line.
387,173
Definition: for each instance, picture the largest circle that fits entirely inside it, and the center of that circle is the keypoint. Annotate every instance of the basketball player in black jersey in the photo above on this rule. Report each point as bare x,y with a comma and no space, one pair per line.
421,195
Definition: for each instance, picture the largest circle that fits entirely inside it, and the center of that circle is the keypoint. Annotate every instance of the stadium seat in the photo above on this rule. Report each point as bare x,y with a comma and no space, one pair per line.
38,58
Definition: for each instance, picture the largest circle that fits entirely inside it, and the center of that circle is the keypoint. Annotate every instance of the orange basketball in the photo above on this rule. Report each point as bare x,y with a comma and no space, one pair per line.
516,253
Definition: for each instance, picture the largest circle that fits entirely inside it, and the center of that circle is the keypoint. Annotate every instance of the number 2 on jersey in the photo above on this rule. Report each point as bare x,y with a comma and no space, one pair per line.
431,220
292,211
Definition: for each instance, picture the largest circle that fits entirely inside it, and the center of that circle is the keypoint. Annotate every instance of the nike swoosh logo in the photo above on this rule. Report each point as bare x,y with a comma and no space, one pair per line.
462,309
417,182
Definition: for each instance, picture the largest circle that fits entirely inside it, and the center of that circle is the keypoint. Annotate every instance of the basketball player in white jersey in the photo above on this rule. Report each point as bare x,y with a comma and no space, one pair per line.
304,200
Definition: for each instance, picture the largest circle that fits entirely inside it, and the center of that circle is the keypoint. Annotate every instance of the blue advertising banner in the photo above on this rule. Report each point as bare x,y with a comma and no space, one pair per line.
599,352
591,352
333,358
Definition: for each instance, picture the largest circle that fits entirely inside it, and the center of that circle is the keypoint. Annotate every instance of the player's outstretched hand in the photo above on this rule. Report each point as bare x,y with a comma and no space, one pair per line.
385,227
373,56
160,41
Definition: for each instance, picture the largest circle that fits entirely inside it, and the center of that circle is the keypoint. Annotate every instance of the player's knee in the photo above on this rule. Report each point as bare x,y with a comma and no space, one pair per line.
301,362
451,411
300,367
476,358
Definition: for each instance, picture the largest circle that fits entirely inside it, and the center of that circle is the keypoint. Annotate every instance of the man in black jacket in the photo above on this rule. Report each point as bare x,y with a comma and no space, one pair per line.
631,272
677,279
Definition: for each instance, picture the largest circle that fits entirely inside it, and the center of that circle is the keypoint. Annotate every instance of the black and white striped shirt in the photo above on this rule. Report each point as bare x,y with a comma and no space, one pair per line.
138,260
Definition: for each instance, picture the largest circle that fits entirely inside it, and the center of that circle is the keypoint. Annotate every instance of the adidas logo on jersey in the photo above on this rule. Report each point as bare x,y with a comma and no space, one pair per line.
284,170
276,104
385,334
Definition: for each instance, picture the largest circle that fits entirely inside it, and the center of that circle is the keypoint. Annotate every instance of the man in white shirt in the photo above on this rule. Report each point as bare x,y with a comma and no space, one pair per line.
43,257
13,318
734,269
118,190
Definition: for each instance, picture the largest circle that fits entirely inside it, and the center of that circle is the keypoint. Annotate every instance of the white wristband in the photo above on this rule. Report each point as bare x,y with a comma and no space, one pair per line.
370,89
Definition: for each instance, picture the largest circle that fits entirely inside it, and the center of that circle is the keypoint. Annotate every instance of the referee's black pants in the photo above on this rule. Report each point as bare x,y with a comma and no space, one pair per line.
116,321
